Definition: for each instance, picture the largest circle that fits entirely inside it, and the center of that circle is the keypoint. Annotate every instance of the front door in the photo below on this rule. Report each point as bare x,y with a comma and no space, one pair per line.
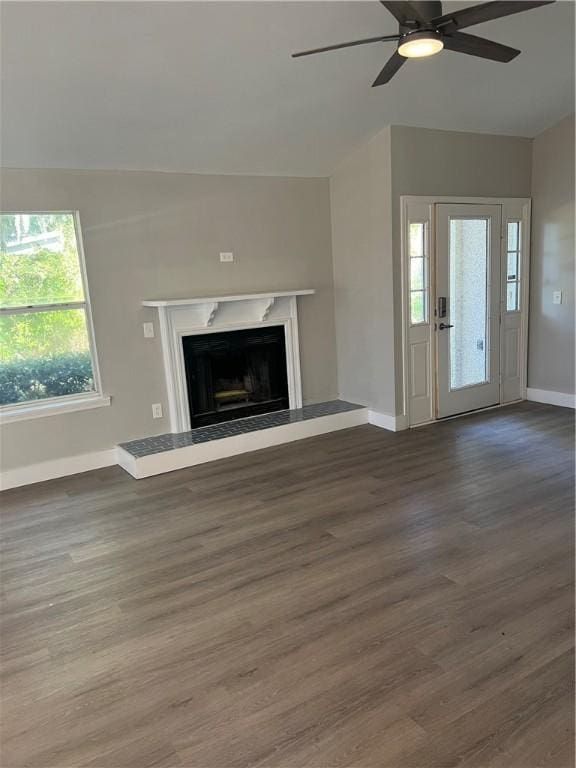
467,316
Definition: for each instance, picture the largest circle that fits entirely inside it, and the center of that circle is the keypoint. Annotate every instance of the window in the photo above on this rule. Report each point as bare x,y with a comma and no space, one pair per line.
46,344
418,274
513,250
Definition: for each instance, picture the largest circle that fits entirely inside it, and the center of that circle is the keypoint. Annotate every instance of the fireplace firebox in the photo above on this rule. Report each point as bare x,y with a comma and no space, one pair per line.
234,374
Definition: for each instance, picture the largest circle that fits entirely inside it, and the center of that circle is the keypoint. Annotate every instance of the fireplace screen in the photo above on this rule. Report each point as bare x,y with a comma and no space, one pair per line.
234,374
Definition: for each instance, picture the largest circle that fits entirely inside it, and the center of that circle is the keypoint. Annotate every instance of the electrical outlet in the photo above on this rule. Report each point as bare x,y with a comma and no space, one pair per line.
157,411
148,330
557,297
227,256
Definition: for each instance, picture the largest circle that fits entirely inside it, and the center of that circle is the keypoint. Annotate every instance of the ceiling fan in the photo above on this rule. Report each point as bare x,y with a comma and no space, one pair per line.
424,31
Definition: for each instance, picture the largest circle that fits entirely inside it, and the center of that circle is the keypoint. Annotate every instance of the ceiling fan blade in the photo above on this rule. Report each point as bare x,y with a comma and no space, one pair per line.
477,14
478,46
421,11
390,68
350,44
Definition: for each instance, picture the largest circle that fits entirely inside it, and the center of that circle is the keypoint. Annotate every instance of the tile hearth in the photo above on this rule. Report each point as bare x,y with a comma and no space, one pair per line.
150,446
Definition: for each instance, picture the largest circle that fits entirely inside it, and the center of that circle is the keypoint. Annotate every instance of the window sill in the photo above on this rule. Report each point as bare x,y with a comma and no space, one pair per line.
27,411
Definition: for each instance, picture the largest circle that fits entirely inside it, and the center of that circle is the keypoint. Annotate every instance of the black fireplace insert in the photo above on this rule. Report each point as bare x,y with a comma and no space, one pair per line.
233,374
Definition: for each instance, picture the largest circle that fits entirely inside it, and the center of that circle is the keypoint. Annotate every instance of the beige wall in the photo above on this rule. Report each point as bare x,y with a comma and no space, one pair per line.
362,254
158,235
431,162
551,333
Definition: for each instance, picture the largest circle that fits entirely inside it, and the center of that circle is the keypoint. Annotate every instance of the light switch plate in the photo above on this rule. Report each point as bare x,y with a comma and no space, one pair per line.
157,411
148,330
227,256
557,297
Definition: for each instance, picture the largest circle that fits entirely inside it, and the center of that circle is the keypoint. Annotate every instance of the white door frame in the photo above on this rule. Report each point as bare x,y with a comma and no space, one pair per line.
418,342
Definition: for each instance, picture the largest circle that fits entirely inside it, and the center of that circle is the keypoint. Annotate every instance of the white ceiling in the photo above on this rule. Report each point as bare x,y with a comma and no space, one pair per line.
210,86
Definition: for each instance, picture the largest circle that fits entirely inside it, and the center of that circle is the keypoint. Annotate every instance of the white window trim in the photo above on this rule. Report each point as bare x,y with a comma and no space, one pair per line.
51,407
33,409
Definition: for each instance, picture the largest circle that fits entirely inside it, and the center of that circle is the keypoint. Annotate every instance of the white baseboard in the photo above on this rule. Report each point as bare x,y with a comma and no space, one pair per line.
49,470
192,455
386,421
551,398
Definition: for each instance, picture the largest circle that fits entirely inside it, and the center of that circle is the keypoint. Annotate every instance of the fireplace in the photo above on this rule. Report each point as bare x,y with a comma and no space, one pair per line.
182,319
234,374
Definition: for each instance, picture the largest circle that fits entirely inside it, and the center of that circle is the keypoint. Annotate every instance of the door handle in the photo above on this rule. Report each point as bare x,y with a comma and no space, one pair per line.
443,326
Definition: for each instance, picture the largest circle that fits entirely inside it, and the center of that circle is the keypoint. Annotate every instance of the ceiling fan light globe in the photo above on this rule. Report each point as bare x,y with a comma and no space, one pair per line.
420,44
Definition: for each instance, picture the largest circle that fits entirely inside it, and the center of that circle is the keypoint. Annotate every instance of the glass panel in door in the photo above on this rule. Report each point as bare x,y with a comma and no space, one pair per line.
469,251
467,307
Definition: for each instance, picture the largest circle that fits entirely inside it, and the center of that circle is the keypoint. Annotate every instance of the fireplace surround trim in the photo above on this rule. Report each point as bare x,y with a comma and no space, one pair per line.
196,316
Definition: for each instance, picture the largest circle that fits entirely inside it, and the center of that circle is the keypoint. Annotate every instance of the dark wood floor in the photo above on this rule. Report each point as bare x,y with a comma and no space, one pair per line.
357,599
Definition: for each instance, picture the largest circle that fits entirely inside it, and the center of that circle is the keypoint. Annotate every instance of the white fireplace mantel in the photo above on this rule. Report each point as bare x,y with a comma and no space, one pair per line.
219,299
211,314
